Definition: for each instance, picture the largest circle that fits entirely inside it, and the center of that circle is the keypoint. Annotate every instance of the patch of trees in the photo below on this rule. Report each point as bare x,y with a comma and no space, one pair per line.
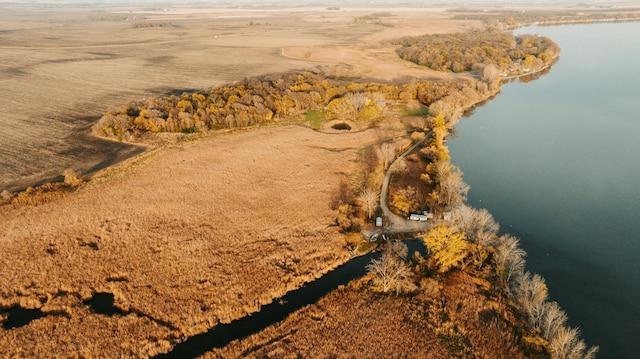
468,242
108,17
466,51
147,24
47,192
253,101
512,19
276,97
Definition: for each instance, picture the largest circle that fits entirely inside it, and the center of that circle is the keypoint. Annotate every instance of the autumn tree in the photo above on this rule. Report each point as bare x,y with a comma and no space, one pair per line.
404,200
346,218
342,108
72,178
439,133
480,229
450,189
448,247
391,272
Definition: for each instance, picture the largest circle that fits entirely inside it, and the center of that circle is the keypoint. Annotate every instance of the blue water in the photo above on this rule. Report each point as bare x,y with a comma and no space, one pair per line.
557,162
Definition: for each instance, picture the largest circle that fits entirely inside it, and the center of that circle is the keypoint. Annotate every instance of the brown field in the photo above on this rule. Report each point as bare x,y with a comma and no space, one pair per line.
188,236
462,322
62,67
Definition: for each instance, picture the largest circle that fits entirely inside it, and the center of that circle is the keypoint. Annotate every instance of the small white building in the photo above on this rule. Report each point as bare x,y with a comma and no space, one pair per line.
378,221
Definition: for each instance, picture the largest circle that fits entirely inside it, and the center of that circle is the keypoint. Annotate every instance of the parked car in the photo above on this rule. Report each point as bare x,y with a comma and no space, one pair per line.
418,217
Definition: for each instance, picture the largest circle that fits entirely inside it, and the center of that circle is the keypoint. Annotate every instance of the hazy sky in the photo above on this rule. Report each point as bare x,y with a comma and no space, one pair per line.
314,2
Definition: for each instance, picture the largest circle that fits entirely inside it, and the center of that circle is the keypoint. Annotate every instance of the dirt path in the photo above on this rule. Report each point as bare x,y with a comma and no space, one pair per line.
394,222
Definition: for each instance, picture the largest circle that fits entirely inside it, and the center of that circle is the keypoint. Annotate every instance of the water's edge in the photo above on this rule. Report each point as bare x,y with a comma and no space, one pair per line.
280,309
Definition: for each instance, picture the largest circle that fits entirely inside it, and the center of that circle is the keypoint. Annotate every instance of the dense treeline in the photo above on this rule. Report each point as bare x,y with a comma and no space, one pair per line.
511,19
269,98
465,51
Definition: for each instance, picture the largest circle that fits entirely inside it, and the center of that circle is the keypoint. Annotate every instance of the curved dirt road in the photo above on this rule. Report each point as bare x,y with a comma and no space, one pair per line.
395,223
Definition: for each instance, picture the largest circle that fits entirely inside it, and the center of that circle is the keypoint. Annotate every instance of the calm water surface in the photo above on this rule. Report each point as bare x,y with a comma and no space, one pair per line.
557,162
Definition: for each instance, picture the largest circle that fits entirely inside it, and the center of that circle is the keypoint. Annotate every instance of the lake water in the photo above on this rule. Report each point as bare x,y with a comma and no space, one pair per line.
557,162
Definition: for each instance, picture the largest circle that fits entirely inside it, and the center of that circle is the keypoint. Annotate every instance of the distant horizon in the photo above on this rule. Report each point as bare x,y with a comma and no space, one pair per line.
322,2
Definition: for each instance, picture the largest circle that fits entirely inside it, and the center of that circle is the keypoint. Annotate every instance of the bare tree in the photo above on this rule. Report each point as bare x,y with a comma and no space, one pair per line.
399,166
462,215
568,345
379,99
453,188
473,221
5,195
509,258
369,200
388,154
531,292
491,75
484,222
391,273
554,319
358,99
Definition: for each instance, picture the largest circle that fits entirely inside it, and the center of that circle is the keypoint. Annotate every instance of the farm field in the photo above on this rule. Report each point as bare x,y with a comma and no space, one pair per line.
62,67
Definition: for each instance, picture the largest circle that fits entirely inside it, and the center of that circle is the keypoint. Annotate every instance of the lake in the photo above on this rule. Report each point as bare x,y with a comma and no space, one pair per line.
557,162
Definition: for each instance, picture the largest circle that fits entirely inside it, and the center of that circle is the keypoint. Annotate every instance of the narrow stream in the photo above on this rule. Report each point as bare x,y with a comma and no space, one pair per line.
279,310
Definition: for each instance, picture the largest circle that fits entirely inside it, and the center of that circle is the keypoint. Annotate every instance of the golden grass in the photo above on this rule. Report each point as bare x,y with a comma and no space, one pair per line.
192,236
461,321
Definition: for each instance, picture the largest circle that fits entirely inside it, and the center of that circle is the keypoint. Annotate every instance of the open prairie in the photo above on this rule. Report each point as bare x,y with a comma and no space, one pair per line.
63,66
184,238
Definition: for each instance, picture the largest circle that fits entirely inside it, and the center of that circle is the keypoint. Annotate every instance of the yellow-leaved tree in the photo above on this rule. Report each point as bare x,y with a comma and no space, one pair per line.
447,246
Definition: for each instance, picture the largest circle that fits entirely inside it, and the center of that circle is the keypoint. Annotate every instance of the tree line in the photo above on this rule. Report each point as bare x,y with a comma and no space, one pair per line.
473,50
269,98
511,19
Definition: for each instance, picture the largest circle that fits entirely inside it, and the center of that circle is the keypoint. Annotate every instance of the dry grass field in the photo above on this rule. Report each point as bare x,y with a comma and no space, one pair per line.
62,67
461,321
184,238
